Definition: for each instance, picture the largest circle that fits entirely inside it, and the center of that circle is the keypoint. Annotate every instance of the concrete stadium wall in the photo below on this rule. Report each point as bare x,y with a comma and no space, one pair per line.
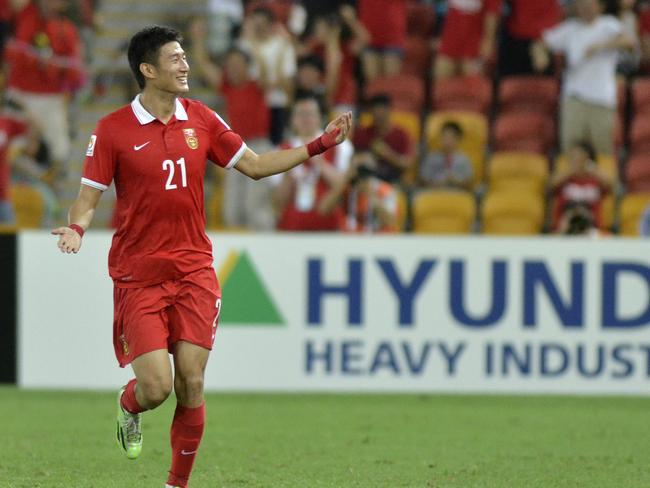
362,313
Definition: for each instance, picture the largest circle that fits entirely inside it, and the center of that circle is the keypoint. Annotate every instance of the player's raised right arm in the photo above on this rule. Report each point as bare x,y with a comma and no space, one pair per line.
79,218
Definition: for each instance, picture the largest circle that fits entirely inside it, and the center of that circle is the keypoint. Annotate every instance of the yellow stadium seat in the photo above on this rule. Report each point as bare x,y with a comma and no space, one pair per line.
607,164
214,209
402,209
607,212
632,207
443,212
475,134
521,171
28,206
513,213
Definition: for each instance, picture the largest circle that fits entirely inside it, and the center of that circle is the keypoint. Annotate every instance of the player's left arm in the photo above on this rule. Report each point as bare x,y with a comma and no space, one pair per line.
259,166
79,219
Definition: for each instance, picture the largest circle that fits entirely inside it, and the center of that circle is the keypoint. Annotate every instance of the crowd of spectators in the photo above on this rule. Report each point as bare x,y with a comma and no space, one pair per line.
278,69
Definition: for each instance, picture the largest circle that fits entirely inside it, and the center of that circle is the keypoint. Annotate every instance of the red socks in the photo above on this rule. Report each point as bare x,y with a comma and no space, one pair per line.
128,401
186,433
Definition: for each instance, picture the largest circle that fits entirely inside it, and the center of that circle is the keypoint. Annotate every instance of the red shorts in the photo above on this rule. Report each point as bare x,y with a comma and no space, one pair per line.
158,316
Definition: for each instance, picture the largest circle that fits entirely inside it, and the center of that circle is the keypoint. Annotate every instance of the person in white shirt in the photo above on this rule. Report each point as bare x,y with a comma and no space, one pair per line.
590,43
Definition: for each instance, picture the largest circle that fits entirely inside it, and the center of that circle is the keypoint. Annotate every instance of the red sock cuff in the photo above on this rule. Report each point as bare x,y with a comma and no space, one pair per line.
190,416
128,401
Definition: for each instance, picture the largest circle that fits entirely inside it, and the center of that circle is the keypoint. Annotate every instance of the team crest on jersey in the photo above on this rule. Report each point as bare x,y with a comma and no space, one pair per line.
190,138
91,145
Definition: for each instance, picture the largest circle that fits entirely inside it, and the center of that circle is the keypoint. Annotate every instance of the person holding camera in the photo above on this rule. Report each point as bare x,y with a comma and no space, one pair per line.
580,189
370,203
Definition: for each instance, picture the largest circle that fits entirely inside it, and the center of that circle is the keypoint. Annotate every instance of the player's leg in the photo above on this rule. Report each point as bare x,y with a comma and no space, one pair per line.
150,387
193,323
140,338
371,62
189,418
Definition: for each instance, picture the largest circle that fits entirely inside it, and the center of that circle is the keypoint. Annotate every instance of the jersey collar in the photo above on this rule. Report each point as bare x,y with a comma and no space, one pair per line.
145,117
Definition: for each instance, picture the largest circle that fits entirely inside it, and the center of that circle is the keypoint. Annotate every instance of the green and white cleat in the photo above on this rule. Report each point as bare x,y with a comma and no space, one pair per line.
129,430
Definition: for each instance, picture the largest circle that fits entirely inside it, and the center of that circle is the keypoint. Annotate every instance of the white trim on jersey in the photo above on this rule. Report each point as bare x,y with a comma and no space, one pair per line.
222,121
145,117
238,155
94,184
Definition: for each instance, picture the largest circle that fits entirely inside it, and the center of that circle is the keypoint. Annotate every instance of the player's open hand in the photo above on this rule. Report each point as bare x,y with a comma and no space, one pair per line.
343,123
69,239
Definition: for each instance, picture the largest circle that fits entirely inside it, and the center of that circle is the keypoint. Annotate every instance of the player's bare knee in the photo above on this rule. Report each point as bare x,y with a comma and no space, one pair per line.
155,390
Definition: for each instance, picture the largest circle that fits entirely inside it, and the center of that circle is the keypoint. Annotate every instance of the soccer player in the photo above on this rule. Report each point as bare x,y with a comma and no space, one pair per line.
166,296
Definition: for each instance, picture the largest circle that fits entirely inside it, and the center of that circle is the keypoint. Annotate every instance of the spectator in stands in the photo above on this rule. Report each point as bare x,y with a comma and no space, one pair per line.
449,167
274,63
291,14
590,43
370,203
310,77
338,39
389,144
524,25
246,202
223,17
643,9
385,20
582,183
301,190
44,58
468,37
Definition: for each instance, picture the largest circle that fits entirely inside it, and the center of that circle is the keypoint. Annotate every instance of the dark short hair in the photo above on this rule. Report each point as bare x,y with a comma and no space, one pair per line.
313,61
145,45
381,99
308,96
237,51
454,127
588,148
264,11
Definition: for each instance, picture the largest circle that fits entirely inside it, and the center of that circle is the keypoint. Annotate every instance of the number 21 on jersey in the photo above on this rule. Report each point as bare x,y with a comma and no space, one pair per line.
168,165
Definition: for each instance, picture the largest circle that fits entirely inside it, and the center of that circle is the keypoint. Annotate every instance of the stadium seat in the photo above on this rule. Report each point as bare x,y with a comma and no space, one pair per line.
406,91
408,121
473,94
640,96
637,174
421,20
521,131
607,164
417,57
528,94
443,212
402,210
512,213
632,207
474,140
28,206
608,211
520,170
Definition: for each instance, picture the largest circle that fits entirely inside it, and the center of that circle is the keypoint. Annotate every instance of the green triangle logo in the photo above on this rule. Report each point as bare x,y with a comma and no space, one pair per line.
246,299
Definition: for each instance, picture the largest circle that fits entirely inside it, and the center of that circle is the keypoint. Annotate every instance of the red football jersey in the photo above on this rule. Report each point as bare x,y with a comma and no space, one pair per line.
463,28
10,127
158,172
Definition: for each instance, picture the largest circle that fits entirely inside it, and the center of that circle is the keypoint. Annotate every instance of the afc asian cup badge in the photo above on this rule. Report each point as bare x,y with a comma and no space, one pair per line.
190,138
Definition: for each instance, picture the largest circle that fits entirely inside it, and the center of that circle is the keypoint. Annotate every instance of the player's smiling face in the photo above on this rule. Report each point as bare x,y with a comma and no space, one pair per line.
172,69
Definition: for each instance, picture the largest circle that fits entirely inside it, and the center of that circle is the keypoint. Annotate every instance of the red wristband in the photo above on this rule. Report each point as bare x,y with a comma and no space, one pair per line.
78,229
323,143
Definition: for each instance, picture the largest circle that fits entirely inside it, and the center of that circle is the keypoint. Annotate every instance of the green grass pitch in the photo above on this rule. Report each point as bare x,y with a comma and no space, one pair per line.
66,439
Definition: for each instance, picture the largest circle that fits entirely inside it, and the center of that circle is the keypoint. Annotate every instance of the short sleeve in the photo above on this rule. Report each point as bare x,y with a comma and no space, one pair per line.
493,6
226,146
99,166
557,38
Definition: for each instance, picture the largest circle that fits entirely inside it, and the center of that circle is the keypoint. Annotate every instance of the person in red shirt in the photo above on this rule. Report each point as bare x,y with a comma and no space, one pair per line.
11,127
582,184
245,203
390,145
338,39
44,58
166,294
523,26
301,190
385,20
468,37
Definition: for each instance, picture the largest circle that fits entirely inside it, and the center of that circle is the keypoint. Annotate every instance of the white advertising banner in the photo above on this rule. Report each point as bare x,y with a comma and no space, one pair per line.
362,313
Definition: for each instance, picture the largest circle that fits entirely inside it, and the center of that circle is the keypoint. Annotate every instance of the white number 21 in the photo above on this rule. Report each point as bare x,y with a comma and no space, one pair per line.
168,165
